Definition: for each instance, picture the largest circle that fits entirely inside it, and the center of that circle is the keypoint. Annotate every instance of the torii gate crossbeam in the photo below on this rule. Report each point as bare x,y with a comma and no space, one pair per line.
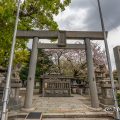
48,34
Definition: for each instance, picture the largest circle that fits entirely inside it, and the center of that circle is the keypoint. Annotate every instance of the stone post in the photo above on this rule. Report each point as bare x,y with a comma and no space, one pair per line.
117,61
91,75
17,91
31,75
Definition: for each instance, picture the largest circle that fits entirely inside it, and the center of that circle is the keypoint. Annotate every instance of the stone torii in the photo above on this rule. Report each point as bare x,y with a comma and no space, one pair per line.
62,36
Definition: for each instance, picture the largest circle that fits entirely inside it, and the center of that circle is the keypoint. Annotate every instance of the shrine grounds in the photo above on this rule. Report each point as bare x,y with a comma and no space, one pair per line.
76,107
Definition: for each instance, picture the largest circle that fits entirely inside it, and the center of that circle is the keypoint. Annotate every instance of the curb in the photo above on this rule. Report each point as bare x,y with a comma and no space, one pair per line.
78,115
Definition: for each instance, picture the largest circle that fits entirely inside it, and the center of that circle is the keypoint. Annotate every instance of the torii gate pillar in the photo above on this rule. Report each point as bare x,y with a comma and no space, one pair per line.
91,75
31,75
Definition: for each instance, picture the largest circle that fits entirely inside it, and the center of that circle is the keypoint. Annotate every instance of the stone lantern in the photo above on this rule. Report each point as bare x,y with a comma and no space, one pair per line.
15,84
106,98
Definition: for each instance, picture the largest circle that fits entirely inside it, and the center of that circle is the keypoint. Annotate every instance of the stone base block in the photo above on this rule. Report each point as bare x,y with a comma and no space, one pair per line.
87,91
28,109
74,90
79,91
106,101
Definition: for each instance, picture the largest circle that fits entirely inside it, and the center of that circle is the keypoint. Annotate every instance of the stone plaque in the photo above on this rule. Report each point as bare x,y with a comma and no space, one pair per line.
62,39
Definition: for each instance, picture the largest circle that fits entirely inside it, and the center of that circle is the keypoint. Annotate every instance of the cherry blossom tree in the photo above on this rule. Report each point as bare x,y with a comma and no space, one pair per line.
73,61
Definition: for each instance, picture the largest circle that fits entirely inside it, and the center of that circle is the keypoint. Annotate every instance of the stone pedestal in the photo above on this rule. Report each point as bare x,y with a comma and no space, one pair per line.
74,90
80,91
74,86
106,98
99,88
87,91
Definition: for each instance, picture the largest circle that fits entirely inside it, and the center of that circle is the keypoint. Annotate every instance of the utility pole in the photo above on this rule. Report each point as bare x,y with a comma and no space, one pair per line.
109,63
7,87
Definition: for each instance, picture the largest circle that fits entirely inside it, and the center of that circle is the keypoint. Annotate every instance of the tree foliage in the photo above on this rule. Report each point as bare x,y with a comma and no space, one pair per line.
43,65
34,14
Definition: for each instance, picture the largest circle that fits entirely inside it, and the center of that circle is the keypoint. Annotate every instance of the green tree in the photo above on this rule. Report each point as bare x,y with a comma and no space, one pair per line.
34,14
43,65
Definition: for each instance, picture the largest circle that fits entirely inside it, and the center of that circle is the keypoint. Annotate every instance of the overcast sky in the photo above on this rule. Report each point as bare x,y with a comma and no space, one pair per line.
83,15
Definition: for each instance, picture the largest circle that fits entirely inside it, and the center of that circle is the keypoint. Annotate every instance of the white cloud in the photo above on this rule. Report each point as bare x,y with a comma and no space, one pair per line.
67,21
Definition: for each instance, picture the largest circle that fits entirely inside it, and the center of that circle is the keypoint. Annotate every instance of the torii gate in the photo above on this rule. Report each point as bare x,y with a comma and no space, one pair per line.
62,36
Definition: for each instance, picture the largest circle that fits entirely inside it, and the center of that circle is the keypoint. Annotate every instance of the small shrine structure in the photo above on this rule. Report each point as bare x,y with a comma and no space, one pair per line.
56,85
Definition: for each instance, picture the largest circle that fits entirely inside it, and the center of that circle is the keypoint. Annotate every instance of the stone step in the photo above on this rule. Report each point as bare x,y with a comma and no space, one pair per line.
14,118
78,115
71,116
77,119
